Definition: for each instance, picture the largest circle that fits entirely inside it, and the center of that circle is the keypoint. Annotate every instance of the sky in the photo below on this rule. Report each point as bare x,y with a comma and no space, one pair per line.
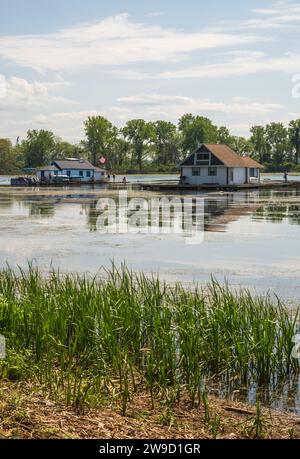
237,63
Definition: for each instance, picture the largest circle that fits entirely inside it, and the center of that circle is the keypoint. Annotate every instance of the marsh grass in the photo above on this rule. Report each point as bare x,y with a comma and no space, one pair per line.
94,341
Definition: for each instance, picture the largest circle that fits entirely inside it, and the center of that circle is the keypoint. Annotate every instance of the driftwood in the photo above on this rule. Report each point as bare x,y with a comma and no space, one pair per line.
238,410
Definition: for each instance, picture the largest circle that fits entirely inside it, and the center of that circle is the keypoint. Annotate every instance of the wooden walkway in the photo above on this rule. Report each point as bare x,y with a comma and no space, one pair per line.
178,187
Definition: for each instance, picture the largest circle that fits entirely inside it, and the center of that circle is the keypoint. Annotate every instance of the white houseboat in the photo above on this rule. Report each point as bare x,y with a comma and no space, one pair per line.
71,169
218,164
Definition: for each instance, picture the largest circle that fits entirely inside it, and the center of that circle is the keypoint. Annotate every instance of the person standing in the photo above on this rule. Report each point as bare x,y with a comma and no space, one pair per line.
285,176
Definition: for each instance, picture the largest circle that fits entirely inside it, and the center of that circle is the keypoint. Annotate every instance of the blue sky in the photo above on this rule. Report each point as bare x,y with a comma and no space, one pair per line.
64,60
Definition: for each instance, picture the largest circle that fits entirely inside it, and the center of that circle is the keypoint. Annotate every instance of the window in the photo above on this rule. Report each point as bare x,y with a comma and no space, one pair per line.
69,173
55,172
42,174
253,172
212,171
80,173
196,171
202,158
88,173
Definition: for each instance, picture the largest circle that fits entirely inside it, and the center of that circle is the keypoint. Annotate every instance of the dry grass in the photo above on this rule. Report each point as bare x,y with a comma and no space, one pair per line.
25,413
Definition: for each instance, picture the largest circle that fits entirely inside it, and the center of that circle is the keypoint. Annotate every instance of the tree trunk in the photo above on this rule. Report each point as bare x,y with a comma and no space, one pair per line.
297,153
140,158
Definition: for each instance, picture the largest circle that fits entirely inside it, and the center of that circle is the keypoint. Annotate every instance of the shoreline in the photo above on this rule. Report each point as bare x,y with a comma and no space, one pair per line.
133,345
27,414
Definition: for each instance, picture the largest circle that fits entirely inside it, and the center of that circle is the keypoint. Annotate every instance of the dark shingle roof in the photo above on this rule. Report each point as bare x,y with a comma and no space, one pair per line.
47,168
79,164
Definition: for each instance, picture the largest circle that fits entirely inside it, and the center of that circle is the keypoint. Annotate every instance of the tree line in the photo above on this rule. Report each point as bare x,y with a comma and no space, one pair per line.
159,146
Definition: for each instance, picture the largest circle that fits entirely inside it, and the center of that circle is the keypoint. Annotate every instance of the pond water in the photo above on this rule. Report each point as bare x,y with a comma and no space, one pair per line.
251,238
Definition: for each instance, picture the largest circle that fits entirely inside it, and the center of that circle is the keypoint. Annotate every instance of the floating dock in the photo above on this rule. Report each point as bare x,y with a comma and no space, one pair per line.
268,184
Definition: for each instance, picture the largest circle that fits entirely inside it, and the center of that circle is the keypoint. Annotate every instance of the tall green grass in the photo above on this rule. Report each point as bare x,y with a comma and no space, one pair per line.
88,341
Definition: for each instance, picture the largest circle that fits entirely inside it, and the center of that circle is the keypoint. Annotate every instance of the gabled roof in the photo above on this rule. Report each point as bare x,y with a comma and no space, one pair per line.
74,164
226,155
249,162
47,168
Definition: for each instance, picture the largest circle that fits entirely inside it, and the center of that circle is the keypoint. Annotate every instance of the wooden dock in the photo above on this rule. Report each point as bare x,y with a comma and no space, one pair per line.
270,184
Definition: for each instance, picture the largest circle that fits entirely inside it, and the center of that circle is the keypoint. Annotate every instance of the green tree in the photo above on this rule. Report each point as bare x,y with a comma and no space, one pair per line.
259,143
278,142
196,130
224,136
7,162
101,135
120,155
294,136
165,141
139,134
38,148
241,145
63,149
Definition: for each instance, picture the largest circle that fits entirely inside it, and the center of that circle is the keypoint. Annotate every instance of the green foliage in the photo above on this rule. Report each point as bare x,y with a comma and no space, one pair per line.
294,136
196,130
9,157
224,136
154,147
38,148
166,142
259,143
101,136
139,134
87,340
278,142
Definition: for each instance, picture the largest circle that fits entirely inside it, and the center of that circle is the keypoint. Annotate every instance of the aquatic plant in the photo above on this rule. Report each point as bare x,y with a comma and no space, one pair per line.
90,341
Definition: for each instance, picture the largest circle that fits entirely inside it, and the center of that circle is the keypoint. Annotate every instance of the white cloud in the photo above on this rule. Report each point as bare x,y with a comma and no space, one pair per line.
174,106
69,124
242,63
281,15
115,40
19,93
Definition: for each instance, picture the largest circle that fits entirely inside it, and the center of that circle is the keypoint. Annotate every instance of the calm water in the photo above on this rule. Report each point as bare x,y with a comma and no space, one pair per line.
251,238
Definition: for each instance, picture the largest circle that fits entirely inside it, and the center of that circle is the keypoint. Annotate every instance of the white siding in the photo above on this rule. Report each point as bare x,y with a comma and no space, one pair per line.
99,175
87,176
75,173
239,175
204,178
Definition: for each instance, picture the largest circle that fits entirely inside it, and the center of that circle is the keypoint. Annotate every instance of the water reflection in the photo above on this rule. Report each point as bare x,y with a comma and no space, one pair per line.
277,213
282,395
220,208
251,238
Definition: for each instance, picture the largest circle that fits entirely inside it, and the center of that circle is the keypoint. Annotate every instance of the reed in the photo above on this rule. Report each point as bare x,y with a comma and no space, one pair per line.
89,341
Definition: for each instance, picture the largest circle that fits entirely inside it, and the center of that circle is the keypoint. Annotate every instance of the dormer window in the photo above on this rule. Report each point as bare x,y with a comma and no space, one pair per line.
202,158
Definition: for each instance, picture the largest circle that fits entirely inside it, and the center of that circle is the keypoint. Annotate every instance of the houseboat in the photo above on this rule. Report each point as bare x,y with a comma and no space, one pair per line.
70,170
218,164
